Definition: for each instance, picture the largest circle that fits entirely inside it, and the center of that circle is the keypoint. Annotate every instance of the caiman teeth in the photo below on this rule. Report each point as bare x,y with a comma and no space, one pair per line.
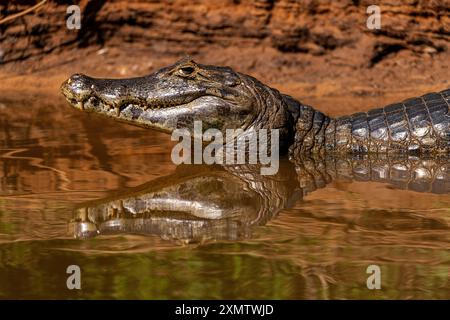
121,107
80,105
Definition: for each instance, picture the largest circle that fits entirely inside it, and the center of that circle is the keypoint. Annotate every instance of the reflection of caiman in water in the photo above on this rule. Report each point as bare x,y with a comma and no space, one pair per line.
212,202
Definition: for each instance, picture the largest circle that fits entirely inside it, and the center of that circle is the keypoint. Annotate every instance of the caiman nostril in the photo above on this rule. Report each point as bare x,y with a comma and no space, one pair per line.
77,87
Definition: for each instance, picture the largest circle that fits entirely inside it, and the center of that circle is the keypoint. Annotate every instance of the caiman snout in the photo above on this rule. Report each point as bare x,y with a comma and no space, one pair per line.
77,89
102,95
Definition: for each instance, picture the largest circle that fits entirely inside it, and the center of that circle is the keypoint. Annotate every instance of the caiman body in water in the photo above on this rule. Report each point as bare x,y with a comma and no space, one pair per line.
176,96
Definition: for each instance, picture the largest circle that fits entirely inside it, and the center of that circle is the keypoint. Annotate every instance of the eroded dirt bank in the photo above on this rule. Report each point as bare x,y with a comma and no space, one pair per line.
321,52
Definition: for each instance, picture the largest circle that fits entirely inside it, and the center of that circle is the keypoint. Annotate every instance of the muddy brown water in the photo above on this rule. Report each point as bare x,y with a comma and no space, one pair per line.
54,159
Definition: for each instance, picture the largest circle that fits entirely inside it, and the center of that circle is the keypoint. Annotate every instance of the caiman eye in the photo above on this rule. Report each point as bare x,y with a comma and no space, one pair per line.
187,71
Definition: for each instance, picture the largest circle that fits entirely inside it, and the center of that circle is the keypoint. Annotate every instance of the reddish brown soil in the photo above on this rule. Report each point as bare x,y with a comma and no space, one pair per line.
321,52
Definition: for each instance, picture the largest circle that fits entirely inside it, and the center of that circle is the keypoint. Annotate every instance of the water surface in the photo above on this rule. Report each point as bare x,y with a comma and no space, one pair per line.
311,241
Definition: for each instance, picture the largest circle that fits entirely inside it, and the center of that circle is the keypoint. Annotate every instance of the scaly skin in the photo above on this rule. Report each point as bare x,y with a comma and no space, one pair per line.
418,125
176,96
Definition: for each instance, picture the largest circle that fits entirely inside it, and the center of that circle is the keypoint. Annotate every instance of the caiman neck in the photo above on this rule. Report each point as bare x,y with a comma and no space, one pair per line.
272,111
313,131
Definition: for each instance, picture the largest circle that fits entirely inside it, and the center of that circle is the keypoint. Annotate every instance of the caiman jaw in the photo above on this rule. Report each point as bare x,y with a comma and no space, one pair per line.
125,100
115,94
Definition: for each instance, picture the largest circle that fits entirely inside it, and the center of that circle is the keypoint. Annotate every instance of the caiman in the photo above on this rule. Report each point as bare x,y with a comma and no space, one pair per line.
176,96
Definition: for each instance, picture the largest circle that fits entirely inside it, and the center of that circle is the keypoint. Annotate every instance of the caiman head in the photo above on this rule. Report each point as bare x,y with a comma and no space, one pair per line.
176,96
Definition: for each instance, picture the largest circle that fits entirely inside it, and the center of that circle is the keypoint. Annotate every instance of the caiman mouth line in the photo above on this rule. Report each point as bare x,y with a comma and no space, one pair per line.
96,101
